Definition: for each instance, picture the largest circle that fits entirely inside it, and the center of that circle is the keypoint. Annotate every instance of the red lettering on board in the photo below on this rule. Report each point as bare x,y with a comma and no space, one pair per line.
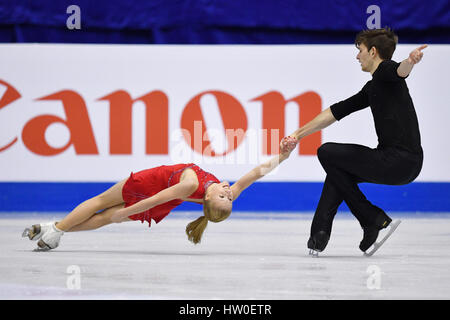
273,120
77,122
10,95
120,124
234,122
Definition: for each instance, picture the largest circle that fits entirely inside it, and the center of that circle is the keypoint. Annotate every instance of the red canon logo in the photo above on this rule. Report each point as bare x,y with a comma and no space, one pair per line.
9,96
156,104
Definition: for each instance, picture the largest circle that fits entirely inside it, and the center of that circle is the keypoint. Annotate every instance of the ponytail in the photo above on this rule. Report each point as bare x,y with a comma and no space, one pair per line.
194,229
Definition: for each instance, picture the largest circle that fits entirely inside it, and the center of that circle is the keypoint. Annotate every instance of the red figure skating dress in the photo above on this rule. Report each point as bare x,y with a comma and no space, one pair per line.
146,183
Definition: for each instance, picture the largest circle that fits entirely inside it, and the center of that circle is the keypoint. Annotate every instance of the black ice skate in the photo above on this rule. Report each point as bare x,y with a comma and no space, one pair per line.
317,243
371,235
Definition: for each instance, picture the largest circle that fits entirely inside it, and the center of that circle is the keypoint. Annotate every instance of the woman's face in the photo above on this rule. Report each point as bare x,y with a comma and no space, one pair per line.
220,195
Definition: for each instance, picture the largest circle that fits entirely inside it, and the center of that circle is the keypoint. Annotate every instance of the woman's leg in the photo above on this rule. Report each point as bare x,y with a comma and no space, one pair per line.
97,220
84,211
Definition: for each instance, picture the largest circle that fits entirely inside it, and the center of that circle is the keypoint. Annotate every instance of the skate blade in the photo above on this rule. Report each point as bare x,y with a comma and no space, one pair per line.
26,233
377,245
32,232
314,253
41,249
42,246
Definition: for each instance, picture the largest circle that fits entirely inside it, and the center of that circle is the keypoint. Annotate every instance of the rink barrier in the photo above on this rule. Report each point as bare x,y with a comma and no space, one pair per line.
259,197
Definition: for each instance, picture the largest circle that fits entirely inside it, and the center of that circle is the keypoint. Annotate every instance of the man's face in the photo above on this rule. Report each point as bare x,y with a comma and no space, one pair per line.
365,58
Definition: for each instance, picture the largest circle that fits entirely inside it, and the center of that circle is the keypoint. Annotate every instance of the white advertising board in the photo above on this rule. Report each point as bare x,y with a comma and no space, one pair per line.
97,112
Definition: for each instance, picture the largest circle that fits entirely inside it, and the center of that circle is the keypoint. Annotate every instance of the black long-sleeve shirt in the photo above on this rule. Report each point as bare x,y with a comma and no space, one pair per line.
392,108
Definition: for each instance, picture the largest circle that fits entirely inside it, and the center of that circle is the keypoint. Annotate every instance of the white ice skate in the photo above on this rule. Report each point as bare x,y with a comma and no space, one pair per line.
393,225
36,231
50,239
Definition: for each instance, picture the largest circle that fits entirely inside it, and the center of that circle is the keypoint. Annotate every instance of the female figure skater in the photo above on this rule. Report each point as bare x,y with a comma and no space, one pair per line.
152,194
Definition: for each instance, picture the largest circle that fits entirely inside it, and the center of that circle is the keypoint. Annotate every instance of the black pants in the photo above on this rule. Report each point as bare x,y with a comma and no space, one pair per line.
347,165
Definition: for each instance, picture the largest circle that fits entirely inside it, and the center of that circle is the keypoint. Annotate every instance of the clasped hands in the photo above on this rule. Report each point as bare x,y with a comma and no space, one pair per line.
288,144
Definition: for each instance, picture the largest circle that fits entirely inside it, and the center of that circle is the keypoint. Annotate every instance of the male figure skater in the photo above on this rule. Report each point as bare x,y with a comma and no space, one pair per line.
396,160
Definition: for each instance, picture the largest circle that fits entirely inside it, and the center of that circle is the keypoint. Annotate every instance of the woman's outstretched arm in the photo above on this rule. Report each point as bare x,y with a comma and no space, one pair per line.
258,172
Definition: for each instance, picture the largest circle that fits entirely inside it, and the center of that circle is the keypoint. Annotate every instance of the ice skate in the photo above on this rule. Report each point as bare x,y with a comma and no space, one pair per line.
378,244
36,231
50,239
317,243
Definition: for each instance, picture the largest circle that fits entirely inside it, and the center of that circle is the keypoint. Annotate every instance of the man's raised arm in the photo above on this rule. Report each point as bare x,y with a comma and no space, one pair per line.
406,65
322,120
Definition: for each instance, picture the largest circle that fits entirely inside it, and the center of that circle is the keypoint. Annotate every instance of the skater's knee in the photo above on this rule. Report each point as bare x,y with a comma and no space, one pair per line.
108,214
102,201
94,204
325,151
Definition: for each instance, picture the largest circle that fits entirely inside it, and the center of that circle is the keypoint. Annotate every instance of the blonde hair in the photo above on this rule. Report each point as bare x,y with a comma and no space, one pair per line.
195,229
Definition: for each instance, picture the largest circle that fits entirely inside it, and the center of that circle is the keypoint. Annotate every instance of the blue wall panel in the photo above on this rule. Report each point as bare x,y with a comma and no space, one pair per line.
261,196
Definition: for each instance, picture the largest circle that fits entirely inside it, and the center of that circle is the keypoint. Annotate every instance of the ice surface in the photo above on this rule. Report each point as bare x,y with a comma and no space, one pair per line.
245,257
